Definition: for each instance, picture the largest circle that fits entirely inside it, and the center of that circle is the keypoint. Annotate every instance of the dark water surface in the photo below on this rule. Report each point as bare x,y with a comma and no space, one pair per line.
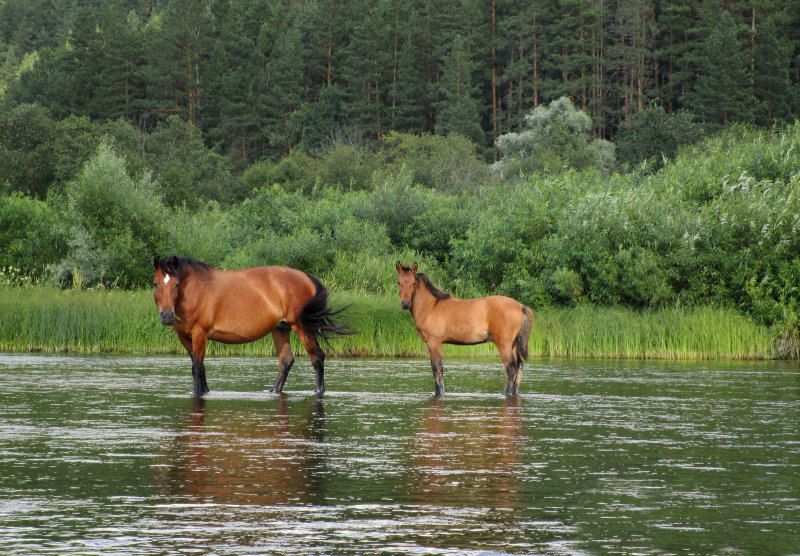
111,455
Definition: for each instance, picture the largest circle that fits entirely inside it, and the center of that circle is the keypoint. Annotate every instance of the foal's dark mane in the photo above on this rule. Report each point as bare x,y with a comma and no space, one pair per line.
179,266
436,292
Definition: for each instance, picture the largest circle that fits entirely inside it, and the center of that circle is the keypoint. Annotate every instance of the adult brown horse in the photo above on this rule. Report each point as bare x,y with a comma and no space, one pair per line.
238,306
441,319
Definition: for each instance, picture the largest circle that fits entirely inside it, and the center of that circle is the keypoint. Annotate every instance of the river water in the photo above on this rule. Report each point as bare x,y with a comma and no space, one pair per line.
112,455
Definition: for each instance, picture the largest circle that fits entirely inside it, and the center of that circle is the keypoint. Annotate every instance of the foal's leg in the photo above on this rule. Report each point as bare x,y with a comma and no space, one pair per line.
196,346
435,351
316,354
513,366
285,357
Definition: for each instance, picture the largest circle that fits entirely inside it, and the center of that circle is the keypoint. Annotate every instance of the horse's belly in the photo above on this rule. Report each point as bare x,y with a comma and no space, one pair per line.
466,333
240,332
236,338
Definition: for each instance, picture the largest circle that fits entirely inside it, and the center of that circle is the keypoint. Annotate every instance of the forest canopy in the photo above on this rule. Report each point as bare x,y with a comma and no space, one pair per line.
259,79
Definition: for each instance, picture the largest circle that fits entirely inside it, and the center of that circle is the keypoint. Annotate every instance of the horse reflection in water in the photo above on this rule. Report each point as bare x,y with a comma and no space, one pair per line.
463,457
238,457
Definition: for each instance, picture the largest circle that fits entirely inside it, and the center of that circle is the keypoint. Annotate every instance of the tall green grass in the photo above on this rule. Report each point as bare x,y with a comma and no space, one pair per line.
52,320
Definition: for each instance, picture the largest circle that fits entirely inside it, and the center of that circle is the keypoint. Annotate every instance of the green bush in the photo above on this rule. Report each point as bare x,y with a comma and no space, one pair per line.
295,172
32,234
654,136
116,224
449,164
348,167
26,149
556,138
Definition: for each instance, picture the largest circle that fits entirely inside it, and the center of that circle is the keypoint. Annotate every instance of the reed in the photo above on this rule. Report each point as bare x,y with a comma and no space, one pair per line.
115,321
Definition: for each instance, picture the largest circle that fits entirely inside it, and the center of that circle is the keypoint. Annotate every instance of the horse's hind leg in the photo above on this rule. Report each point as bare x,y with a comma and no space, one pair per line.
513,367
285,357
316,354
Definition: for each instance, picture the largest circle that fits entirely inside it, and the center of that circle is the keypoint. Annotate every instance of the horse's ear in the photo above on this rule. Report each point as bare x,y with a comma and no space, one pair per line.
399,267
171,264
414,268
156,263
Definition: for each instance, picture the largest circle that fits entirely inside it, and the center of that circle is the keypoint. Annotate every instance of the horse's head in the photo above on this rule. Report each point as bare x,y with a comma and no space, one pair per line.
165,288
407,280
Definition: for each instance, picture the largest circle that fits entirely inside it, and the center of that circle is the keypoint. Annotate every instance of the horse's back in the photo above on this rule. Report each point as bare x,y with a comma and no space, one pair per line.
473,321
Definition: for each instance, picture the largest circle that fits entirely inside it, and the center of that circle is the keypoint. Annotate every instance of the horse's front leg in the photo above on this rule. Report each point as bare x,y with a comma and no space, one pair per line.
435,351
196,346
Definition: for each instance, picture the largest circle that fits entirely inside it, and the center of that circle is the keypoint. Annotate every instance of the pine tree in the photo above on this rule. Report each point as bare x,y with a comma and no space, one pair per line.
674,48
179,44
723,86
778,96
120,85
458,109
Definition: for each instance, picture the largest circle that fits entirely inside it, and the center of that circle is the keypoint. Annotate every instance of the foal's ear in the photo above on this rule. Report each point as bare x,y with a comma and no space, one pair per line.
399,267
156,263
414,268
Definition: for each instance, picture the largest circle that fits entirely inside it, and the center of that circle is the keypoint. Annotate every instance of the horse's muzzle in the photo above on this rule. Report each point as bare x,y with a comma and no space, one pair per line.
405,304
167,317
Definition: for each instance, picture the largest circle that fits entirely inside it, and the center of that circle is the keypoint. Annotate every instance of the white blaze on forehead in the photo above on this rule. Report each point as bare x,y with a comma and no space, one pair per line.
166,279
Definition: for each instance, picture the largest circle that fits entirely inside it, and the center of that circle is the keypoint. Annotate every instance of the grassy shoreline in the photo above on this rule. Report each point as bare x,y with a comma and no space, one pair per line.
50,320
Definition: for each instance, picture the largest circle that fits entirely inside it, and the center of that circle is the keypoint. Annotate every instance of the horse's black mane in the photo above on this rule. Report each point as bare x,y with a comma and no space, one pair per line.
437,293
178,266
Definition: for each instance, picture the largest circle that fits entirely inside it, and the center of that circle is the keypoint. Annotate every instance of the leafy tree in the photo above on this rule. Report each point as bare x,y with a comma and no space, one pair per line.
32,235
189,173
556,135
26,149
655,136
325,117
115,224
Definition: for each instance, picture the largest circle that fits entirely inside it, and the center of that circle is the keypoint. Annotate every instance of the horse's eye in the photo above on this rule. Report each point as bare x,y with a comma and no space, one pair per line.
155,285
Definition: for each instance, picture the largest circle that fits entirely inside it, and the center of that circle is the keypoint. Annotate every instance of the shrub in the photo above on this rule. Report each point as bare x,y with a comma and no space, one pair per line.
116,224
654,136
449,164
32,234
556,138
347,166
295,172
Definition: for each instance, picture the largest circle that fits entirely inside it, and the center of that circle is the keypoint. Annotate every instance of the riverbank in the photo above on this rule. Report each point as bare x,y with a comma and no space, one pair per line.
115,321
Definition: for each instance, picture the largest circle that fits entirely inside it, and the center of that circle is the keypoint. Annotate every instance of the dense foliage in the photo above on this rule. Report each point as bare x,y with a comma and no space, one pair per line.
562,153
718,224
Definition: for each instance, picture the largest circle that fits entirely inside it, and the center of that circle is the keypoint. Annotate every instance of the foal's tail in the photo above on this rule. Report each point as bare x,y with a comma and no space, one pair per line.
521,341
318,319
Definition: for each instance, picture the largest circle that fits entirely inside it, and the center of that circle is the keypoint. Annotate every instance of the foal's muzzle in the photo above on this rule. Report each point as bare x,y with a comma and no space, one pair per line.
405,304
167,317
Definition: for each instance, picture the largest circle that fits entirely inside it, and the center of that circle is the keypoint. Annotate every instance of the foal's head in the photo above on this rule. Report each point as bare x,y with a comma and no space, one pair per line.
165,287
407,280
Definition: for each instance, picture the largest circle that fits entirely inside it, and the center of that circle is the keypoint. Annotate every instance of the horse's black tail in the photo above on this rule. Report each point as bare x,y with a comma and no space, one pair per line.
317,318
521,341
